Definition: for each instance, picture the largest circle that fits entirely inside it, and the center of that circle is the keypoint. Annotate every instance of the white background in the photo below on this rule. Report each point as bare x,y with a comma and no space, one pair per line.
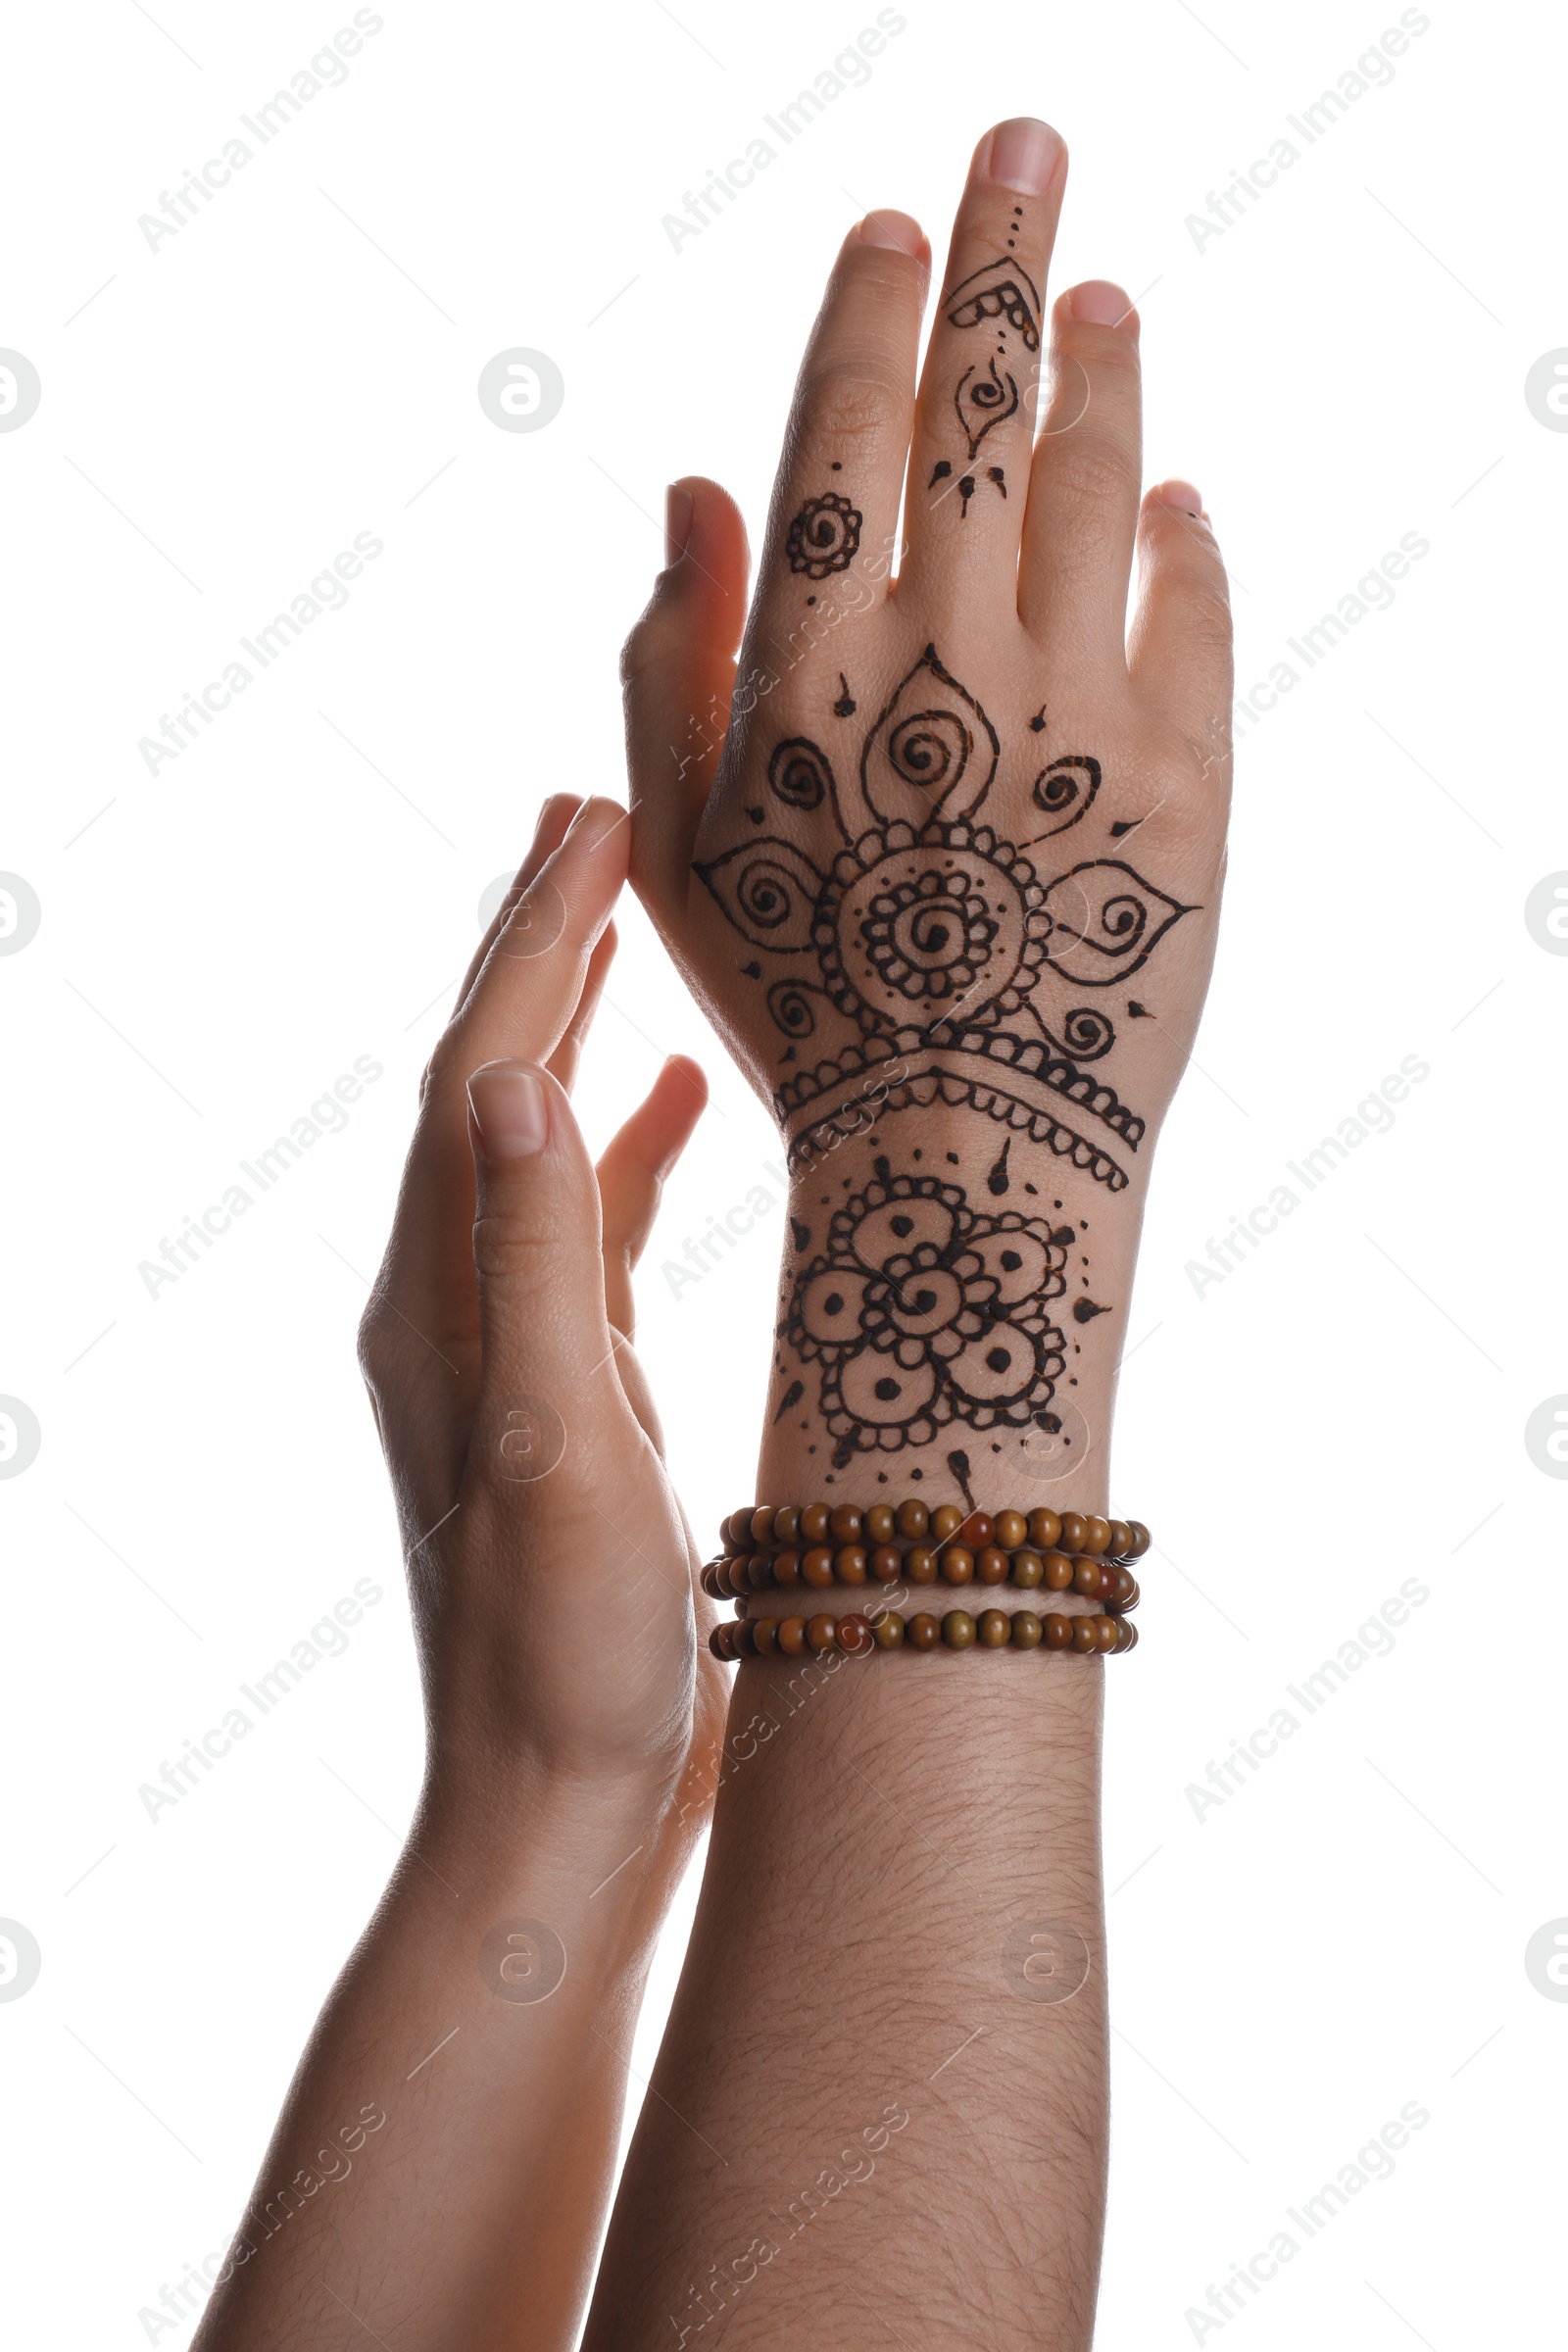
1344,366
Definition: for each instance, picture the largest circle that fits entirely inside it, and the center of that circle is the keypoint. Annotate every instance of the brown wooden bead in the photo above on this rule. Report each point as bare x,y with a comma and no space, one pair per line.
887,1630
763,1524
1012,1528
732,1573
1141,1540
923,1631
887,1564
920,1564
709,1579
1028,1569
914,1517
977,1530
721,1641
991,1628
1121,1536
1025,1630
743,1604
848,1564
744,1638
990,1565
957,1630
760,1571
787,1524
1086,1578
1085,1634
1105,1632
786,1569
853,1635
945,1521
843,1524
815,1521
792,1635
1131,1631
880,1522
1097,1536
820,1632
1123,1628
1128,1602
1059,1631
765,1633
817,1566
1058,1572
1075,1527
735,1531
1108,1572
956,1564
1044,1530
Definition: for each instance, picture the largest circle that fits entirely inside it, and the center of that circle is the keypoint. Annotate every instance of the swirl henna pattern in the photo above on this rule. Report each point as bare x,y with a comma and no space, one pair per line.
823,536
940,944
983,401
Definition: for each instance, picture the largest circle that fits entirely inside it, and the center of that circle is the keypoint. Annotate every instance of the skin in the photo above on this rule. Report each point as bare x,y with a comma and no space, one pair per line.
441,2168
890,1837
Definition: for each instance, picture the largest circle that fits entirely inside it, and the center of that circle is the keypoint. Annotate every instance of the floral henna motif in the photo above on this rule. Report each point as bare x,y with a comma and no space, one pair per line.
823,536
922,1311
939,940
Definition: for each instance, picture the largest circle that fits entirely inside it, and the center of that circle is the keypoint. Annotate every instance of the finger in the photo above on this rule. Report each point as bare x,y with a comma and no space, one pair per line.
678,672
1082,515
521,1003
550,831
548,1389
563,1062
632,1171
969,462
1180,647
832,530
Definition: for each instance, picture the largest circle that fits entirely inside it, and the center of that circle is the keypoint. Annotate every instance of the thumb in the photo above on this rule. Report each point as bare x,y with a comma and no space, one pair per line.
548,1388
677,672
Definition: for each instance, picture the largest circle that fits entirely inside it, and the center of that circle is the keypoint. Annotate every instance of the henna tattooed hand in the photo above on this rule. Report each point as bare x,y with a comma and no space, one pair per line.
941,853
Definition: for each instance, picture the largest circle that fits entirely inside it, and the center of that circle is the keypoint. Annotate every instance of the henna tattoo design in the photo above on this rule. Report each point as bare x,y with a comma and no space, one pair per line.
846,705
939,940
1001,290
823,536
967,485
922,1311
983,401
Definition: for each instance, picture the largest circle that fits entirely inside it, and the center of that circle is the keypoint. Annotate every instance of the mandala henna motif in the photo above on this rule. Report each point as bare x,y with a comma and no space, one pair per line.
1001,290
940,942
922,1311
823,536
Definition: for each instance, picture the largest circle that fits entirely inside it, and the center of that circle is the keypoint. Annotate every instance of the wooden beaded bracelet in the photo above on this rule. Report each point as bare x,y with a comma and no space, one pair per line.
856,1635
1107,1581
812,1525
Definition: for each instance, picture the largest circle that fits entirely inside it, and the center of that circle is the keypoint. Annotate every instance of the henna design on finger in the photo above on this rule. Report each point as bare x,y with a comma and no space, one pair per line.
982,401
967,485
1001,290
825,536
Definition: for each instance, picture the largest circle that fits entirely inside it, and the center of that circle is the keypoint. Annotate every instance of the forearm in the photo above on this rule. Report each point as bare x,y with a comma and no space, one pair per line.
443,2160
902,1911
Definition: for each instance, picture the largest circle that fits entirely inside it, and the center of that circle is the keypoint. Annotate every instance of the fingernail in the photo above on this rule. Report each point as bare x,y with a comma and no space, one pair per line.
1101,303
1024,153
1183,497
677,522
509,1110
893,229
595,822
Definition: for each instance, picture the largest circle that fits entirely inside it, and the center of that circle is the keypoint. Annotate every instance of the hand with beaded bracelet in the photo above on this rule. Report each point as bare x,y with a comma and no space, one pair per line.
443,2160
949,885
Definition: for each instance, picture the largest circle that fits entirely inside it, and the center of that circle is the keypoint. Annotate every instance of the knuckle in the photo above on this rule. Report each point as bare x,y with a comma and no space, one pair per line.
854,403
530,1244
1095,469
